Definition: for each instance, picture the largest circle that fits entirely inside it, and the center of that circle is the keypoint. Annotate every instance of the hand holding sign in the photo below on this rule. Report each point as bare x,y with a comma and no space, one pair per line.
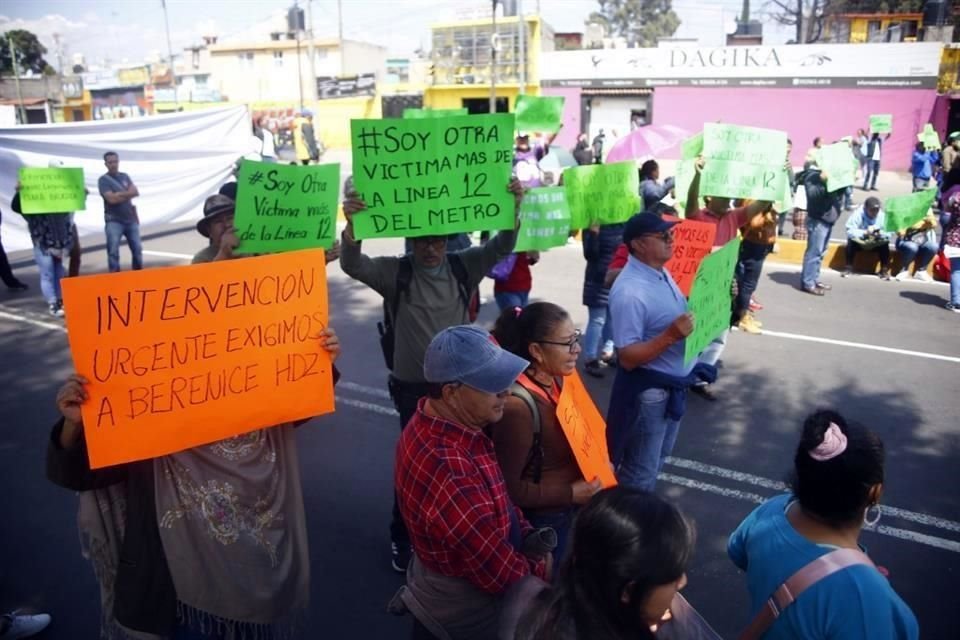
585,430
710,300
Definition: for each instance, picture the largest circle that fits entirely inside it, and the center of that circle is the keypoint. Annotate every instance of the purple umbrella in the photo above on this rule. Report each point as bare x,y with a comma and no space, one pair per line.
646,142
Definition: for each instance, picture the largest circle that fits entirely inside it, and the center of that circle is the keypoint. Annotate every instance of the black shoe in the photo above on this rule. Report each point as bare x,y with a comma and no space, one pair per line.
824,286
593,368
401,556
704,392
17,286
814,291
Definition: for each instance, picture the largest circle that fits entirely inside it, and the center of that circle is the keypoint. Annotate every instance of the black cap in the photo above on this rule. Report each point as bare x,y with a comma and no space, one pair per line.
229,189
215,205
871,203
644,223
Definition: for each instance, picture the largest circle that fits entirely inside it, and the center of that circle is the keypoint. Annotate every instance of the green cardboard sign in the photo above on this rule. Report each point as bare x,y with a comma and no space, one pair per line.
686,170
692,147
902,212
55,190
425,177
420,114
743,162
785,203
539,113
602,193
282,207
544,219
710,302
742,180
881,123
929,137
841,167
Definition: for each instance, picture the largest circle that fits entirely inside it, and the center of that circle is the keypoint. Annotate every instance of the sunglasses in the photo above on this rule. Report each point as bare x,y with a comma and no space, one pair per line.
570,344
666,236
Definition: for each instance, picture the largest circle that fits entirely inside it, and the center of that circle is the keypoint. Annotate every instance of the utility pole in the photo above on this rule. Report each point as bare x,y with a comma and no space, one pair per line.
522,25
312,87
296,35
16,78
493,61
340,33
173,71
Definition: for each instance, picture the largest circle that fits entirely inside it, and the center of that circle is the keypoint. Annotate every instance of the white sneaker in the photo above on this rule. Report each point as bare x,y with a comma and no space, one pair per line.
903,276
24,626
922,276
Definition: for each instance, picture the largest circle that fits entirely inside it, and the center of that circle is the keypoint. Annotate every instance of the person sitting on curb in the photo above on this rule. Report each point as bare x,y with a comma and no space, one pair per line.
918,245
865,233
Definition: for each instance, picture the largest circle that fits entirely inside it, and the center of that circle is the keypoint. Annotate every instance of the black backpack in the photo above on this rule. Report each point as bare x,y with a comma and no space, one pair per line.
386,328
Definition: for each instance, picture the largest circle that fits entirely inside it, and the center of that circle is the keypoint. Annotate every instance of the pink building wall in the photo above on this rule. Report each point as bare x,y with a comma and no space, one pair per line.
803,113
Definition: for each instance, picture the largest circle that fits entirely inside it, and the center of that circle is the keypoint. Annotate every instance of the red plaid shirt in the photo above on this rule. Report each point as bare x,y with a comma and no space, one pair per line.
453,499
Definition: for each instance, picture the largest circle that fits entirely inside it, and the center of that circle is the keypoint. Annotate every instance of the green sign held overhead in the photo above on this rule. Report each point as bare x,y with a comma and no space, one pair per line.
743,162
692,147
785,203
929,137
420,114
427,177
838,162
709,301
283,207
902,212
539,113
52,190
685,172
602,193
881,123
742,180
544,219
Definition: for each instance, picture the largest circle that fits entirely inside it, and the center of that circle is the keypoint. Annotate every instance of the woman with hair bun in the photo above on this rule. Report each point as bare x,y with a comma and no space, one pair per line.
541,472
836,485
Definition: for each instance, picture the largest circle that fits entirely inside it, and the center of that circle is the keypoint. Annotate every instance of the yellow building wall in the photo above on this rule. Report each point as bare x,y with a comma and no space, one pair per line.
331,118
451,96
949,70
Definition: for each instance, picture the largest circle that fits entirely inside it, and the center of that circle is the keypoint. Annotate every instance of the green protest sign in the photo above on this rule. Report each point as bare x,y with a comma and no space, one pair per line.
602,193
785,203
432,176
283,207
881,123
929,137
419,114
710,302
539,113
742,180
839,164
686,170
692,147
902,212
743,162
51,190
544,219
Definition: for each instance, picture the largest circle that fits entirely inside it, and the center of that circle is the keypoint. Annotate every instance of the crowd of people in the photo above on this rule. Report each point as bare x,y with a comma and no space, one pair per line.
495,527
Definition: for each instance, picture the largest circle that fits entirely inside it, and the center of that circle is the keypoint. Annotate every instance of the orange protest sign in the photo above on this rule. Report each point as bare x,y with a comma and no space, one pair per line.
692,242
183,356
585,429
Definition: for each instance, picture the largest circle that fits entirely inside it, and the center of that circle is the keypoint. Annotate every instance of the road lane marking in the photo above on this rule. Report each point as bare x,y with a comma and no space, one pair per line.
861,345
367,391
167,254
50,326
367,406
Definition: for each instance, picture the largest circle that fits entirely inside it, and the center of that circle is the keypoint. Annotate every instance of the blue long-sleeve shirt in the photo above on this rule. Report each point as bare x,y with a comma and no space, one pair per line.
859,221
653,193
922,165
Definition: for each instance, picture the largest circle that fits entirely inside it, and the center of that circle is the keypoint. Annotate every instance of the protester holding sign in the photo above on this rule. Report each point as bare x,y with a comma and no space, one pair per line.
118,192
650,324
599,245
921,167
651,190
823,210
52,235
423,294
537,460
170,565
874,148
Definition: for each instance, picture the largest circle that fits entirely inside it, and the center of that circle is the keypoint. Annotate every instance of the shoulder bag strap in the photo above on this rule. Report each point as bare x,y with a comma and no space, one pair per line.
804,578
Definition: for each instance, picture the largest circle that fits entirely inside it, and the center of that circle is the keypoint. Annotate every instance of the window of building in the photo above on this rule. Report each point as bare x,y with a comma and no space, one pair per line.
246,59
278,58
874,30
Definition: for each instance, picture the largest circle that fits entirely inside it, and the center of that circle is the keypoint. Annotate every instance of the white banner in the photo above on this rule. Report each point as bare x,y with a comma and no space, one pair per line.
903,65
175,160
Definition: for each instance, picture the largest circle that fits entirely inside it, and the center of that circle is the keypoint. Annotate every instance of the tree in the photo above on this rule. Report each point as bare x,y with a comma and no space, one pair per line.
808,16
29,53
640,22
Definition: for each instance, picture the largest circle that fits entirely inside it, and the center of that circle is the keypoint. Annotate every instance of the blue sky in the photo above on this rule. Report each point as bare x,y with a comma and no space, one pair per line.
129,30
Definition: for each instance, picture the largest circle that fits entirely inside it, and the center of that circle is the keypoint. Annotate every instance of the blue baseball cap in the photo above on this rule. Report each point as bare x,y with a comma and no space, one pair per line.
468,354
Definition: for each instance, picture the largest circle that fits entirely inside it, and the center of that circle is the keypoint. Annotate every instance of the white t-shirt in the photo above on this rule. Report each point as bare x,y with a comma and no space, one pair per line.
876,151
268,149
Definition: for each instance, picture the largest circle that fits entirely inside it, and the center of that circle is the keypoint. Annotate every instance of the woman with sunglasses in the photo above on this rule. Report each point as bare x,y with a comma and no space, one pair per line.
542,475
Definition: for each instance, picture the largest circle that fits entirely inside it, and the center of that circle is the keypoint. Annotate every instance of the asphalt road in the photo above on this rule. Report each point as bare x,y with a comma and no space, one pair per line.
729,455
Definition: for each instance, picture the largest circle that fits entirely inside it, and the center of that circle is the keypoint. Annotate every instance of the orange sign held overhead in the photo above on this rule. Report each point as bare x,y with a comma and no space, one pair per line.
692,242
586,431
184,356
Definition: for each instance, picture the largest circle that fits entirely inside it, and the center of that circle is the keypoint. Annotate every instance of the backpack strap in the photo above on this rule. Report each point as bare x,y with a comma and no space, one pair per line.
404,276
807,576
534,462
463,278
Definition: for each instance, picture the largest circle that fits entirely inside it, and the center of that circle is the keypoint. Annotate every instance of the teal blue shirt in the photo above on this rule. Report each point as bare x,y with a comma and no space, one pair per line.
856,603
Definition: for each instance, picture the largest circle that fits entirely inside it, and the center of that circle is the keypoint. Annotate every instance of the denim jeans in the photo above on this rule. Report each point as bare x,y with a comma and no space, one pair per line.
752,255
920,184
654,435
848,197
873,168
51,271
910,251
130,230
818,238
955,281
882,251
598,332
510,299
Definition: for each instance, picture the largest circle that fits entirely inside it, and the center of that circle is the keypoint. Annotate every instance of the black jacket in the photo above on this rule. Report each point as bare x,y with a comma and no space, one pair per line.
598,249
822,205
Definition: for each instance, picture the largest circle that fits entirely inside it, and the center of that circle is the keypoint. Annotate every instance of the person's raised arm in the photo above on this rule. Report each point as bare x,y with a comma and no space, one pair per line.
638,354
359,266
693,193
